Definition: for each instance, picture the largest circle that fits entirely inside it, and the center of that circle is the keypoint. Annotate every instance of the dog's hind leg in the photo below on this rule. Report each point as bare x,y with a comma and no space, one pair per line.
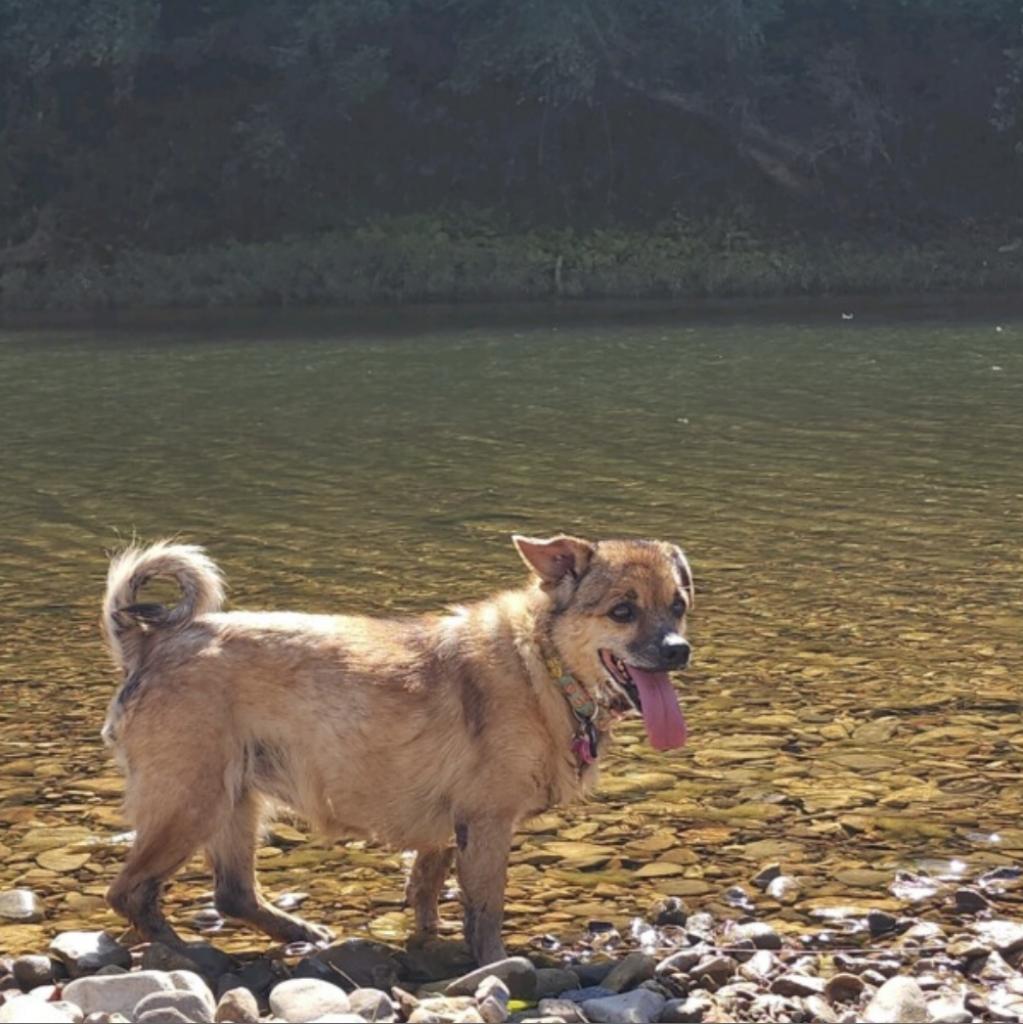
422,892
135,894
232,854
483,847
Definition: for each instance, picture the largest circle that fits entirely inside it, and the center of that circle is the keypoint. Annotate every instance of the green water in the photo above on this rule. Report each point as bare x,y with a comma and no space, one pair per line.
850,494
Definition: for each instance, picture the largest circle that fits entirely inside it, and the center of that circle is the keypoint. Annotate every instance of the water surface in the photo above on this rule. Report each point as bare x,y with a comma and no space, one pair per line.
849,492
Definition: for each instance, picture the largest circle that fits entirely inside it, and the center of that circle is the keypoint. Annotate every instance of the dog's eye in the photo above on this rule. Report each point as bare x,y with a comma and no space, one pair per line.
625,611
678,607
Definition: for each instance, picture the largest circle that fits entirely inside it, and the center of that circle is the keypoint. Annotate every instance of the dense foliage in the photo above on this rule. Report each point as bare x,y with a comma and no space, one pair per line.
170,126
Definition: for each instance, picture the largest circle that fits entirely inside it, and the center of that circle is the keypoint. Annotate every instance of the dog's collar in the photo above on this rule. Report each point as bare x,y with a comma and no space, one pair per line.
591,717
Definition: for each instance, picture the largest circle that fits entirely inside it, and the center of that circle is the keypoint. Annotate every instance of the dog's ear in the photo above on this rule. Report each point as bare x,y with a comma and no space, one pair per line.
678,556
555,558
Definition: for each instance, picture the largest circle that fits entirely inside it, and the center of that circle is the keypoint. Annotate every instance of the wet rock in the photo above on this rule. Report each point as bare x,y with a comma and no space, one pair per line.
641,1006
970,901
581,995
355,963
516,972
305,999
28,1009
700,927
594,972
899,1000
880,922
844,988
198,957
237,1005
1005,936
20,906
563,1009
258,976
85,953
629,972
766,875
373,1004
693,1010
761,934
552,981
32,971
431,959
949,1009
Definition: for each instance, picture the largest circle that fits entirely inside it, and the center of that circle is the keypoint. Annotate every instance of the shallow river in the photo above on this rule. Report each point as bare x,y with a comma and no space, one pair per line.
850,493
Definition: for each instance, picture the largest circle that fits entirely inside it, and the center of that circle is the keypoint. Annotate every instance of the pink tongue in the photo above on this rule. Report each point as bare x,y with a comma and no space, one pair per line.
665,723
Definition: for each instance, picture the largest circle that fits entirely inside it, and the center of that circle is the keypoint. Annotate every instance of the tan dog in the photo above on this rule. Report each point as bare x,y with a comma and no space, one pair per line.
411,730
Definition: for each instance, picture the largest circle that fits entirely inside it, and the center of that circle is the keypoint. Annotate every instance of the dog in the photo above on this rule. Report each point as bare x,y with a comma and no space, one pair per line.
437,733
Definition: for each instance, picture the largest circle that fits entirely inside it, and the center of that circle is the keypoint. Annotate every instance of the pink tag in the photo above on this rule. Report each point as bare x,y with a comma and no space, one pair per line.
581,749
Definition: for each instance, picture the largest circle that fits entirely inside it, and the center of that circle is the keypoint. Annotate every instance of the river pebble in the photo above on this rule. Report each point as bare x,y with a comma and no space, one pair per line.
640,1006
85,953
304,999
237,1005
20,906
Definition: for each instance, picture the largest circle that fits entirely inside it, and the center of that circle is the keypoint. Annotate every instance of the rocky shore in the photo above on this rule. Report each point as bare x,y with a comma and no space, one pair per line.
671,966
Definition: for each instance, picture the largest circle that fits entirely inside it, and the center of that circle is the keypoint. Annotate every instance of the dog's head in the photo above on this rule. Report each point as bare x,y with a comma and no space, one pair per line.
618,611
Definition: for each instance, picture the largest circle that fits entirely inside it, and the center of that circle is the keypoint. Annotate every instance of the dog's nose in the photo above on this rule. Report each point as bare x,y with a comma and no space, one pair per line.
675,650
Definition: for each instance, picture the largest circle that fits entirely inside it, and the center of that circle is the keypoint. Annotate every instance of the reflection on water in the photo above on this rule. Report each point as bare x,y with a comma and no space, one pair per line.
850,495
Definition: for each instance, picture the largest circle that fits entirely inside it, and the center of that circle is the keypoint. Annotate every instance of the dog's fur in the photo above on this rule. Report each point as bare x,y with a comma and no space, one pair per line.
412,730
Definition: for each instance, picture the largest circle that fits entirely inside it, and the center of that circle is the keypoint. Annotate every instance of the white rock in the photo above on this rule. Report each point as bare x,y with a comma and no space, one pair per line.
191,1006
30,1010
304,999
898,1001
373,1004
493,1010
116,993
189,981
87,952
641,1006
493,987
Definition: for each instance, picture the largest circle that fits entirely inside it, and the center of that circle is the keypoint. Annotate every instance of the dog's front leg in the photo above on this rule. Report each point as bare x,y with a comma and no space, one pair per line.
483,845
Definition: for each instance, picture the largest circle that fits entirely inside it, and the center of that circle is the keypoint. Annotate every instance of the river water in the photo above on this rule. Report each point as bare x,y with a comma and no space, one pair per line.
849,492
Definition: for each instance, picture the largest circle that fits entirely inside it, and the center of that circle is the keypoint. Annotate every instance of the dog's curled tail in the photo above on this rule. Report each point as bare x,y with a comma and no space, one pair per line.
124,620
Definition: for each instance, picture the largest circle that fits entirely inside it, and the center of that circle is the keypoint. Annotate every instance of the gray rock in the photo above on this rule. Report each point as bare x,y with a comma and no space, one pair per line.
32,971
106,1018
304,999
189,981
430,958
580,995
766,875
373,1004
552,981
594,972
898,1001
162,1015
516,972
641,1006
820,1010
686,1011
563,1009
20,906
492,987
880,922
493,1010
356,963
86,952
32,1010
716,970
237,1005
116,993
199,957
191,1006
629,972
785,889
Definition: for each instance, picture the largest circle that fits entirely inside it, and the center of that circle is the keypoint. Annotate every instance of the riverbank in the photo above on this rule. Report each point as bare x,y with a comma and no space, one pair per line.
431,260
953,957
